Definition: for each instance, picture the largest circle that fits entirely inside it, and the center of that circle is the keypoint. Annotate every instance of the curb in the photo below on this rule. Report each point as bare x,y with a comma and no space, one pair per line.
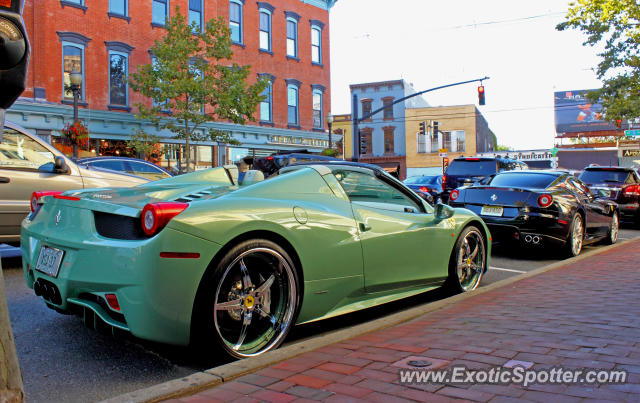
200,381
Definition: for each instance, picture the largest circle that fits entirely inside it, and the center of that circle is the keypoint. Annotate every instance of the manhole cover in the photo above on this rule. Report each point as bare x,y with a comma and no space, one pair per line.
419,363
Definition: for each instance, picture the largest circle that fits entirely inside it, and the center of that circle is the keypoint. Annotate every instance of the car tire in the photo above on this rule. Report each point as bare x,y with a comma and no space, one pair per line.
575,240
248,302
614,228
468,261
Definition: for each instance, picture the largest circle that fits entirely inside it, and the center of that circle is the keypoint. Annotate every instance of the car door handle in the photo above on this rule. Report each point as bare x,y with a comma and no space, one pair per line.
4,179
364,227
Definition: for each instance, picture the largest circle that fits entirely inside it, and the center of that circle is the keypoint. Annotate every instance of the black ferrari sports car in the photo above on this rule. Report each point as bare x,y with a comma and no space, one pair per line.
536,208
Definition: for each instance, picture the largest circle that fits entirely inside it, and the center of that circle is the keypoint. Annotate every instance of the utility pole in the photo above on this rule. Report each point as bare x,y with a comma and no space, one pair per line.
354,111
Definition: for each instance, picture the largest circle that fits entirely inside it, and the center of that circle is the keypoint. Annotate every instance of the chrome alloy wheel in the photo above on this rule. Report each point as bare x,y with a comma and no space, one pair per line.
577,235
470,265
615,227
255,302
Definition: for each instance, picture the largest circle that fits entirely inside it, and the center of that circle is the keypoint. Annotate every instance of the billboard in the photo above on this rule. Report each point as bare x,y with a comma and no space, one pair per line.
574,113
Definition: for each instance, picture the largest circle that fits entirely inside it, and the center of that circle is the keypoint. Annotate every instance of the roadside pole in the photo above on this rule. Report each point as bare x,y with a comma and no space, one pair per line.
11,386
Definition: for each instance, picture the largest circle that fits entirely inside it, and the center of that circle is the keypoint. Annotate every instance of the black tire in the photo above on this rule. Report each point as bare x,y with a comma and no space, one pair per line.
248,302
614,228
575,240
467,264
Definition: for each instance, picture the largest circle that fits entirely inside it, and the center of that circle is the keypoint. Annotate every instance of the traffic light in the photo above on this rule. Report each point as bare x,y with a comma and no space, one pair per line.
14,52
618,123
423,128
445,163
435,128
363,143
481,95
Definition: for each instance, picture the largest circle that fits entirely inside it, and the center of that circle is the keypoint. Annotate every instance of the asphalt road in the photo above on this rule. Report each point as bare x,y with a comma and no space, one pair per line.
62,360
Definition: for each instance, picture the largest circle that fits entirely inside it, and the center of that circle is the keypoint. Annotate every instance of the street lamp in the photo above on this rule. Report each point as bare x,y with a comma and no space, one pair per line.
76,81
329,123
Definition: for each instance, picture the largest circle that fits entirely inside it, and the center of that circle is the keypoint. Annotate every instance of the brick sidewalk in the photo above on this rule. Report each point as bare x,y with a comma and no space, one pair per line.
583,315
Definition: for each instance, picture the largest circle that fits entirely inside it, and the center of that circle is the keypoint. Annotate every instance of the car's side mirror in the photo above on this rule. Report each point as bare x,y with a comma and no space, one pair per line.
60,166
443,211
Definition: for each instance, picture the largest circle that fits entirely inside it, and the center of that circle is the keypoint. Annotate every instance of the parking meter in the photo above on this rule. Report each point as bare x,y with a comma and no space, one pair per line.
14,55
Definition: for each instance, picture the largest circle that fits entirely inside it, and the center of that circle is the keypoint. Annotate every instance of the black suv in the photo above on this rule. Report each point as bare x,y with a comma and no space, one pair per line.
620,184
466,171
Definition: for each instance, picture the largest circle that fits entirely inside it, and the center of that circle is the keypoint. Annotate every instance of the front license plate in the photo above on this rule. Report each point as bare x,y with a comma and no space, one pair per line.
492,211
49,260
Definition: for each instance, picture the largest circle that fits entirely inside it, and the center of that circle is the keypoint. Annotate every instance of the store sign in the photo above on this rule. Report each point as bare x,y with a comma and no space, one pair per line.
630,153
537,155
290,140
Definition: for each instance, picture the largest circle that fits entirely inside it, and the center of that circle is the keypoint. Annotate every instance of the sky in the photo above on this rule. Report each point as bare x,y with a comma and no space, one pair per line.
430,43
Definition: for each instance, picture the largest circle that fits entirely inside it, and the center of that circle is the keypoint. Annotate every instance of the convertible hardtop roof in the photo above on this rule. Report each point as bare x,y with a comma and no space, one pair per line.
344,163
608,168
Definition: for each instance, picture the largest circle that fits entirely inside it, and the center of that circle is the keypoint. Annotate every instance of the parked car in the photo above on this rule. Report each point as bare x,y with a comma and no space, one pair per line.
203,257
539,208
133,166
272,163
620,184
427,185
29,164
466,171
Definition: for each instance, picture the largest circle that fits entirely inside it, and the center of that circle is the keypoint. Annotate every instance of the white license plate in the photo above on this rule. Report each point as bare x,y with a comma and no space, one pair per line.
49,260
492,211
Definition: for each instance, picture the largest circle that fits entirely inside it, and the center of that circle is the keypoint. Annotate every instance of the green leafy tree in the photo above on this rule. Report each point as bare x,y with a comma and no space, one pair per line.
615,26
144,143
190,71
501,147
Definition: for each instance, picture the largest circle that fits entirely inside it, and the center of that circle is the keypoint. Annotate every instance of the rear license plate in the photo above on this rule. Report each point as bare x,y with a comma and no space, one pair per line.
49,260
492,211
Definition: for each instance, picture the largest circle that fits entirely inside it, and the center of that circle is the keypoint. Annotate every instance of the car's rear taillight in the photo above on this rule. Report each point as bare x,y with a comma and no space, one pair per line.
444,181
545,200
156,215
424,189
35,197
631,190
454,194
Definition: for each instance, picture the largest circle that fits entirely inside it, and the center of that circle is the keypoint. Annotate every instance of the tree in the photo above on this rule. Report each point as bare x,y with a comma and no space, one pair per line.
144,143
615,25
191,73
501,147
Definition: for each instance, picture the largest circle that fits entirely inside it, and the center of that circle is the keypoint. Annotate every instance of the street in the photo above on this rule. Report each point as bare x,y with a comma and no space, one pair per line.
60,357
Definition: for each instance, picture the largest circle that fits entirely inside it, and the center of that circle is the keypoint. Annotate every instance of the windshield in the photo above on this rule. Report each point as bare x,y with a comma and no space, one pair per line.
472,167
524,180
422,180
602,176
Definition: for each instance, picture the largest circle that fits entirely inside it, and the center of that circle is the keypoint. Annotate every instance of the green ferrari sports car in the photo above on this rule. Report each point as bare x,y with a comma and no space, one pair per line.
209,259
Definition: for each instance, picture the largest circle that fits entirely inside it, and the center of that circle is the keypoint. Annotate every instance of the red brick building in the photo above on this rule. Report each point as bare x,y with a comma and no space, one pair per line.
285,40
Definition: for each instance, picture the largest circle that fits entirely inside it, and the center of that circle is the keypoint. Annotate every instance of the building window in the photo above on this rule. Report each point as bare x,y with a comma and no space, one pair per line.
78,2
367,134
292,38
235,20
458,140
366,108
118,71
195,14
72,57
292,103
317,109
388,140
118,7
159,11
316,45
265,30
266,104
387,113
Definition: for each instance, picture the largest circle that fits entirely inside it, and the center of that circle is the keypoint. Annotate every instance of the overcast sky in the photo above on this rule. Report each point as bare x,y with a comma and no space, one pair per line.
432,43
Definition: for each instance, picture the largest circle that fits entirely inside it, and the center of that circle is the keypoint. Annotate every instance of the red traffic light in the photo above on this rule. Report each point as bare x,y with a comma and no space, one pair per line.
481,95
618,123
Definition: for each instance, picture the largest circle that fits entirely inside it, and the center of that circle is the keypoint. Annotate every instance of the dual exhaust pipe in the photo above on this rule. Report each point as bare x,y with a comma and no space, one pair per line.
533,239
